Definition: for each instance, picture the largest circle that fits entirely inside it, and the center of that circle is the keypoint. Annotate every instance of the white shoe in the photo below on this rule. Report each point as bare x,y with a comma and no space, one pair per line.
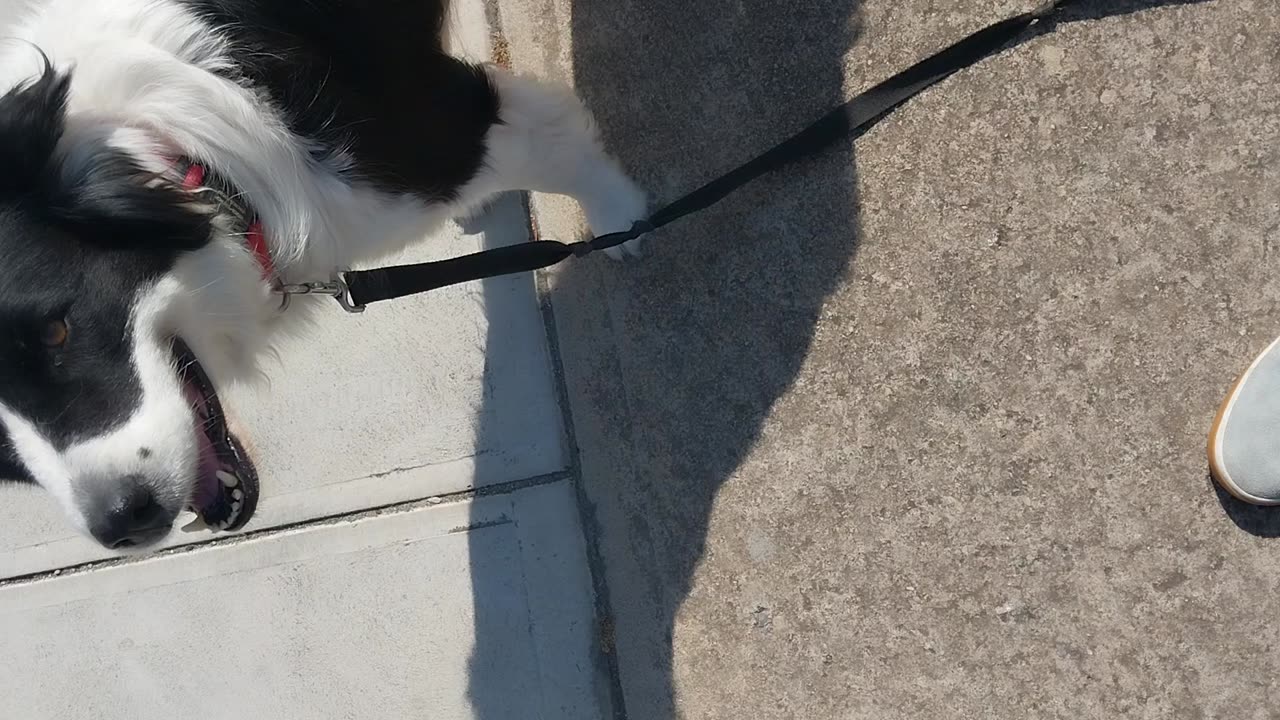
1244,444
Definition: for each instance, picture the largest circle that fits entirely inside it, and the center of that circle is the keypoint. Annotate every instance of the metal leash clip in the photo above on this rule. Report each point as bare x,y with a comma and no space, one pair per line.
335,288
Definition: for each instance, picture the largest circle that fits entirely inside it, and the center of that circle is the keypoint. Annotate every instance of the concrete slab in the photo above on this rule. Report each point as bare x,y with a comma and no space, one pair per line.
922,435
471,610
482,609
421,397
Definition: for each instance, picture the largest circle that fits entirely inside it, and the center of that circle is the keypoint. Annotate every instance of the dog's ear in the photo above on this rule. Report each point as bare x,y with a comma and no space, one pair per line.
102,194
90,187
33,117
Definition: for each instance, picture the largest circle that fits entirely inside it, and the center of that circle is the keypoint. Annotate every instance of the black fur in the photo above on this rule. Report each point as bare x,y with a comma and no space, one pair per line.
369,77
89,385
79,236
32,120
108,200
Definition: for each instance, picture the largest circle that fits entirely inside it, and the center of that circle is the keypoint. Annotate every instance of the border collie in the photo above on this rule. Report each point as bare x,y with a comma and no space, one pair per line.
166,164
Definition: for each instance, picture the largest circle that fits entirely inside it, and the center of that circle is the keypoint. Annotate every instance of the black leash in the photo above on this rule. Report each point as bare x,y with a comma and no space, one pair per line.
851,120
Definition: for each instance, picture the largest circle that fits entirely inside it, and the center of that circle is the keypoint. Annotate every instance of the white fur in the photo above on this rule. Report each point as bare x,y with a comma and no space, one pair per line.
548,142
142,79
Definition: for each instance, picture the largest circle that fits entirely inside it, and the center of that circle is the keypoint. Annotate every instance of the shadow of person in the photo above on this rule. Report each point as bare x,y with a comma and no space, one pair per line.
674,362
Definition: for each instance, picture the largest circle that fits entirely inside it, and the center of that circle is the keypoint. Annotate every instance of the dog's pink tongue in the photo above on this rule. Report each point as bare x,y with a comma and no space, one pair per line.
208,487
207,483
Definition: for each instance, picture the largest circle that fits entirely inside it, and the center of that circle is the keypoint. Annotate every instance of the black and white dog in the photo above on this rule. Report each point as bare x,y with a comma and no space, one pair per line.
342,126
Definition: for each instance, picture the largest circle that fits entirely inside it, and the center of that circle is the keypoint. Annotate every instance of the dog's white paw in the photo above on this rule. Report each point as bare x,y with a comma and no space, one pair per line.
617,212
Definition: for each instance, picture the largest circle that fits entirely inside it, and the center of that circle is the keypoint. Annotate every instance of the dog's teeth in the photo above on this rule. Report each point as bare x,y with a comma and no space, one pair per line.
228,479
197,525
237,494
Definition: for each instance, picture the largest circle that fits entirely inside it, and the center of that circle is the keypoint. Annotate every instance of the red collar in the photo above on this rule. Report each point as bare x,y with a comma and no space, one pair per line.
254,236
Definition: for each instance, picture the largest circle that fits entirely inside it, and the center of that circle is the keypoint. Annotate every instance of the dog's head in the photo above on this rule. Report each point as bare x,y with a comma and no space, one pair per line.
111,275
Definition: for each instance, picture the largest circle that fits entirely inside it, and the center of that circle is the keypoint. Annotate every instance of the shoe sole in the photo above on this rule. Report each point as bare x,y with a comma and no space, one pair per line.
1216,467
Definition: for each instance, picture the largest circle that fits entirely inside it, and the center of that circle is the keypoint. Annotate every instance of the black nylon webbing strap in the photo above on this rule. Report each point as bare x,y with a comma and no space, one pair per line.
368,286
850,120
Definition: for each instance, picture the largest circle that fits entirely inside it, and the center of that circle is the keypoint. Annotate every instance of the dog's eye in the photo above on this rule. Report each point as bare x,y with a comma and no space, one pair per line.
54,334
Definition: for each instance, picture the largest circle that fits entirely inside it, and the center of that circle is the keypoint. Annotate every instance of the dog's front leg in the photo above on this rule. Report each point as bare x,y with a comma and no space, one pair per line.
547,142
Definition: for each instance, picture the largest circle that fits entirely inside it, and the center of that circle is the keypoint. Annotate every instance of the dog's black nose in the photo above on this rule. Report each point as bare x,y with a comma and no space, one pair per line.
125,514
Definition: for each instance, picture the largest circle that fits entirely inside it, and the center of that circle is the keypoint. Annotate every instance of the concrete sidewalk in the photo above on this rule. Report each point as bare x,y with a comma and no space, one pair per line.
416,554
417,551
917,430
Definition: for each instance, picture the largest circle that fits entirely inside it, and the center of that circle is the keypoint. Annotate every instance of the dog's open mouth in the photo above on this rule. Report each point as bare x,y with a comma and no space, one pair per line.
226,489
